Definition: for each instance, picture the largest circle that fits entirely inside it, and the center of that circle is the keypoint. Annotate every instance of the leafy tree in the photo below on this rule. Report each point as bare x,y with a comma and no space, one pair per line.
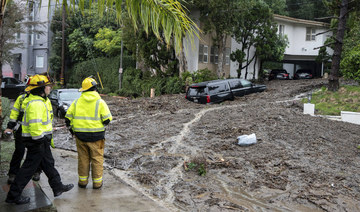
81,46
307,9
238,56
108,41
350,63
277,6
80,33
153,52
82,29
257,29
219,18
269,45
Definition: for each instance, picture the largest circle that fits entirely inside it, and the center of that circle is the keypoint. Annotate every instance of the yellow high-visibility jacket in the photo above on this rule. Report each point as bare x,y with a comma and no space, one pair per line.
87,113
38,116
16,109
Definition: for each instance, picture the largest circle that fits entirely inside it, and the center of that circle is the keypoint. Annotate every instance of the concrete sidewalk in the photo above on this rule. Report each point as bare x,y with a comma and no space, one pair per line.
113,196
38,200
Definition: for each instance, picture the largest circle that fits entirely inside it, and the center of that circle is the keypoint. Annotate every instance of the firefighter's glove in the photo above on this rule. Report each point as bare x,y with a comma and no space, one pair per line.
71,131
52,143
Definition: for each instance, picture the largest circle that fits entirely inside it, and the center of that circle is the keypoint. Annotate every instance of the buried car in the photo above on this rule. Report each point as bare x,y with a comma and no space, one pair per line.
61,100
217,91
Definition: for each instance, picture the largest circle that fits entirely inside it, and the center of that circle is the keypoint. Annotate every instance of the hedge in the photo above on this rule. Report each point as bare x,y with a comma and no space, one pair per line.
108,69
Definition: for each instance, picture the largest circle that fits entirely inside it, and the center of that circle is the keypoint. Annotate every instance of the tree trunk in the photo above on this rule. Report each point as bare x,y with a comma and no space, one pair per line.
261,70
247,60
254,73
182,63
239,70
335,65
220,67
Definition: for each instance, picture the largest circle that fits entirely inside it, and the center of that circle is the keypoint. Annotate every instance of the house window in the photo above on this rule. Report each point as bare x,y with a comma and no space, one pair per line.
203,53
214,55
39,61
31,39
31,36
37,36
281,30
18,34
310,34
227,56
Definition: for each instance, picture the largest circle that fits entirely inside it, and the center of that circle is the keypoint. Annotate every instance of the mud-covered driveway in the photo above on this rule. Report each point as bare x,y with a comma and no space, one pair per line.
300,163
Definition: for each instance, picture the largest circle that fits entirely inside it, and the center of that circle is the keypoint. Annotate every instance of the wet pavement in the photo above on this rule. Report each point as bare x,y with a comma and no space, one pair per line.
38,199
113,196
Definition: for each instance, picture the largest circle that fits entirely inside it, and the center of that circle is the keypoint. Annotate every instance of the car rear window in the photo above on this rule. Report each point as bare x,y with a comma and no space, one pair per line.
234,84
218,88
245,83
196,91
69,95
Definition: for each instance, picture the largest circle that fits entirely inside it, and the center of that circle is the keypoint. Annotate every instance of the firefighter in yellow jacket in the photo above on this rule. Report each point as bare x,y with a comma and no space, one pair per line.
14,126
86,118
37,138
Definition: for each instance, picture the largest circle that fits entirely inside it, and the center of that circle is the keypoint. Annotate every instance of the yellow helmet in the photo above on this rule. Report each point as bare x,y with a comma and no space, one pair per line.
37,81
88,83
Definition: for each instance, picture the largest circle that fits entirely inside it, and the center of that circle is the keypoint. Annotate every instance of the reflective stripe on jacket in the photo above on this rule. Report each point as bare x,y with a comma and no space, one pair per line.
37,119
87,113
16,109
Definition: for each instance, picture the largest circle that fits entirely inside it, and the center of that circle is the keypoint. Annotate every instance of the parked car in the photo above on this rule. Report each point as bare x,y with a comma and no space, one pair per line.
12,87
279,74
303,74
61,100
217,91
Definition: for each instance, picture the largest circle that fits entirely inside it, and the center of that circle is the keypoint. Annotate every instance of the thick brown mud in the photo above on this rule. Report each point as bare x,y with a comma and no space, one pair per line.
299,163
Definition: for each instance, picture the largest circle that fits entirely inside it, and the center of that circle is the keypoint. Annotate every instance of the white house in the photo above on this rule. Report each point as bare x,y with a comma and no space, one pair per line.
305,37
300,53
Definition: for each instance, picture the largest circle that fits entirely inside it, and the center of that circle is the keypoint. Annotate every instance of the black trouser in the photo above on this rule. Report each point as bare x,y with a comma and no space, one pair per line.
38,154
18,154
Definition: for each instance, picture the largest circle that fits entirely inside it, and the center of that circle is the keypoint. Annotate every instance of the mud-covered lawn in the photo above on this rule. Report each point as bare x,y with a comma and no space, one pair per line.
299,163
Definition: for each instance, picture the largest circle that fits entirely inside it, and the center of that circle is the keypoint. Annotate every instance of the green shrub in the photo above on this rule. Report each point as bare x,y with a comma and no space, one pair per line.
204,75
186,74
350,64
6,109
131,83
174,85
198,76
136,83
